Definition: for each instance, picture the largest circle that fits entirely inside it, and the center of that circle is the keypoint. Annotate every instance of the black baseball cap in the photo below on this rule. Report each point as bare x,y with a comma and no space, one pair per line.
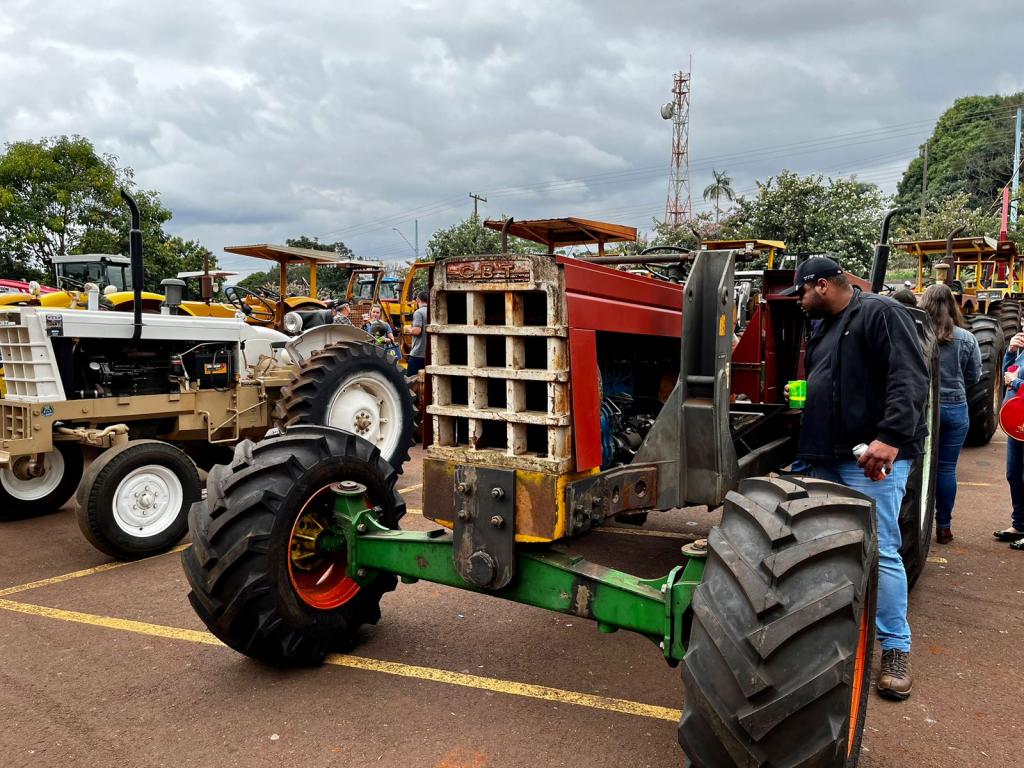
813,269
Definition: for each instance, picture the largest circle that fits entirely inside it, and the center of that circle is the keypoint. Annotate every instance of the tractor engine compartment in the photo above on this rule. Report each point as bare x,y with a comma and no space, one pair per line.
89,369
635,376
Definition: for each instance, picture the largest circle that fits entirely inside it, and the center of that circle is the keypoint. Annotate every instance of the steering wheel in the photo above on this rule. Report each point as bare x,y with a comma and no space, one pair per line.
269,294
673,273
263,313
75,285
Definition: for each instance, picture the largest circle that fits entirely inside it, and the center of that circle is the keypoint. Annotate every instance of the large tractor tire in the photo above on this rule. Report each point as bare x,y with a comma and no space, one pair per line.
917,513
134,499
778,667
256,582
983,398
1007,312
355,386
45,489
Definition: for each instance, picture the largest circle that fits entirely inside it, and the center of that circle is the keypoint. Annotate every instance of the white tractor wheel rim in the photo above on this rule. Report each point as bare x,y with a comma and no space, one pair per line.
147,501
367,405
35,488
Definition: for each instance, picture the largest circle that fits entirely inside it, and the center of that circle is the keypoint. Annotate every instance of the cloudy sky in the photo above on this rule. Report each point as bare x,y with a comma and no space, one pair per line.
258,121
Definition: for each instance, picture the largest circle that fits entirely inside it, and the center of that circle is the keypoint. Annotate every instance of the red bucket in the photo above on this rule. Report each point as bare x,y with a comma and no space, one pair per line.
1011,415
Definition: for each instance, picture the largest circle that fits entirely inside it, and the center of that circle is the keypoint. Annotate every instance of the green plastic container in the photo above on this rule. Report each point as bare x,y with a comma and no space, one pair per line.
798,393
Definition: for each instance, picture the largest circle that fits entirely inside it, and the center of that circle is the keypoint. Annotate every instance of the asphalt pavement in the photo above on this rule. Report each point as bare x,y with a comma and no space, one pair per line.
105,664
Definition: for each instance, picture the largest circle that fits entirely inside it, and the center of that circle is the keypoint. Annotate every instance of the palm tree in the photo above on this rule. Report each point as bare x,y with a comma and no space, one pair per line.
721,187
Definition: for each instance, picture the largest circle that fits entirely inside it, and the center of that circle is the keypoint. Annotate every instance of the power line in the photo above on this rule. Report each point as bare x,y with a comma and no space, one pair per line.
894,131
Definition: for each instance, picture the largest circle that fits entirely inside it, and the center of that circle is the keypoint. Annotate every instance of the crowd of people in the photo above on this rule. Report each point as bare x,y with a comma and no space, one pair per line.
384,334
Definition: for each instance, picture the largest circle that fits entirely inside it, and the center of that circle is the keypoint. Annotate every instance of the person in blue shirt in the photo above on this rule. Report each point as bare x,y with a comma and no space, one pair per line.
1014,380
959,368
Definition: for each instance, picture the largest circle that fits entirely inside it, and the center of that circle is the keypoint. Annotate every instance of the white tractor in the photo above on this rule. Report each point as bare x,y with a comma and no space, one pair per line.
158,396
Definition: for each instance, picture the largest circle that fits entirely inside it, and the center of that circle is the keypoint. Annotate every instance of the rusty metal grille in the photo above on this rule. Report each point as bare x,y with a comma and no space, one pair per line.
500,369
15,421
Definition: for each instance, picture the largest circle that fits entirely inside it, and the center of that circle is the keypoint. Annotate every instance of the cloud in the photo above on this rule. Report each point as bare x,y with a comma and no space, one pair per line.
259,121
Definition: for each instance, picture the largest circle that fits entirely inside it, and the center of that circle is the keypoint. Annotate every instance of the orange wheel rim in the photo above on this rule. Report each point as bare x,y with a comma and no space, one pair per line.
320,579
859,676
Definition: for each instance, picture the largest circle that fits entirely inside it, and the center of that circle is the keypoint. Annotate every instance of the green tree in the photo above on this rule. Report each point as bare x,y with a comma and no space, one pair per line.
719,188
313,243
59,196
943,215
51,192
688,236
970,150
331,280
811,214
471,237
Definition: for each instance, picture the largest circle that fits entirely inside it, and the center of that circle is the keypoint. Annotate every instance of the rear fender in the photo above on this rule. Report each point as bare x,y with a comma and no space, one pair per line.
315,339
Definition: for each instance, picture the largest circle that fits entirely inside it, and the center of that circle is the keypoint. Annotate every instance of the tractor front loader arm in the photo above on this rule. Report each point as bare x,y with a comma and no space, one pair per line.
691,442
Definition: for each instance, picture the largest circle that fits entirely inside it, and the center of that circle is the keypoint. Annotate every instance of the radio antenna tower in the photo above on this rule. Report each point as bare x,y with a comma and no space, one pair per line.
678,205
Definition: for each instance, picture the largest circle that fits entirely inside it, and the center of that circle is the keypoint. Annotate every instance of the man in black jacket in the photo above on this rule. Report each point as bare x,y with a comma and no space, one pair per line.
867,383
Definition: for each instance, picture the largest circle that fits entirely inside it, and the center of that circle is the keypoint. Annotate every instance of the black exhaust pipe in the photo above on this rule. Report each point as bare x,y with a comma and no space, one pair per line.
951,237
135,252
504,234
880,262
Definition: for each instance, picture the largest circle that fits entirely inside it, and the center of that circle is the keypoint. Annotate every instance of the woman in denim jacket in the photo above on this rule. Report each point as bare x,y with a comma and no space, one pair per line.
959,368
1014,448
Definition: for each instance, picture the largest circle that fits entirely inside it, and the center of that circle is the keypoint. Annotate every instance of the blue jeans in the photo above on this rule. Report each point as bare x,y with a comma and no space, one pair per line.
891,616
953,423
415,365
1015,477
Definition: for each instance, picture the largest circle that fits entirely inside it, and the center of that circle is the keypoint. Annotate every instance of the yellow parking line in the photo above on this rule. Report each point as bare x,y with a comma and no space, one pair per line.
109,622
974,485
411,488
80,574
509,687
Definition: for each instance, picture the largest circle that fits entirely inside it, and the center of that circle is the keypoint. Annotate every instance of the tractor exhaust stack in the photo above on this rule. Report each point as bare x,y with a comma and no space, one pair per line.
135,252
880,262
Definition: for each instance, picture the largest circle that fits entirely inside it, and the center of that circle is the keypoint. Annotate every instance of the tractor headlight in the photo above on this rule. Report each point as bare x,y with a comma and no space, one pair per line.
293,323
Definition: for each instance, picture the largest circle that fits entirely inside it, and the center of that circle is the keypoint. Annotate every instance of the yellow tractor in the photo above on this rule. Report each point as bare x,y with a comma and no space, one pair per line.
75,274
984,276
111,275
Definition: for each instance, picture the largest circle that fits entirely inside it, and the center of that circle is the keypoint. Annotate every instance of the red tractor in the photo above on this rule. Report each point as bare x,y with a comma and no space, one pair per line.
564,392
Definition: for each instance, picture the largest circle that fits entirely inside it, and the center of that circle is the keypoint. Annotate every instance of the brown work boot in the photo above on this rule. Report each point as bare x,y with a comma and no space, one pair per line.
943,536
894,681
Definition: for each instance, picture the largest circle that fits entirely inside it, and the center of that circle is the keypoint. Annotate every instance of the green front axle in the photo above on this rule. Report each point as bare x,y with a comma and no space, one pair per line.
656,608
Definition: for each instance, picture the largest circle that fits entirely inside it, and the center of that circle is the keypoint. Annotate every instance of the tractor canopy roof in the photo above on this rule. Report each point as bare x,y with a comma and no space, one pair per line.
287,254
555,233
748,243
216,274
963,247
90,258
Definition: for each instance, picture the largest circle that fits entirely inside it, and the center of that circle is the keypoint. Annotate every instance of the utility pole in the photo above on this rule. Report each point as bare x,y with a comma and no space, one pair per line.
924,182
1016,172
476,199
